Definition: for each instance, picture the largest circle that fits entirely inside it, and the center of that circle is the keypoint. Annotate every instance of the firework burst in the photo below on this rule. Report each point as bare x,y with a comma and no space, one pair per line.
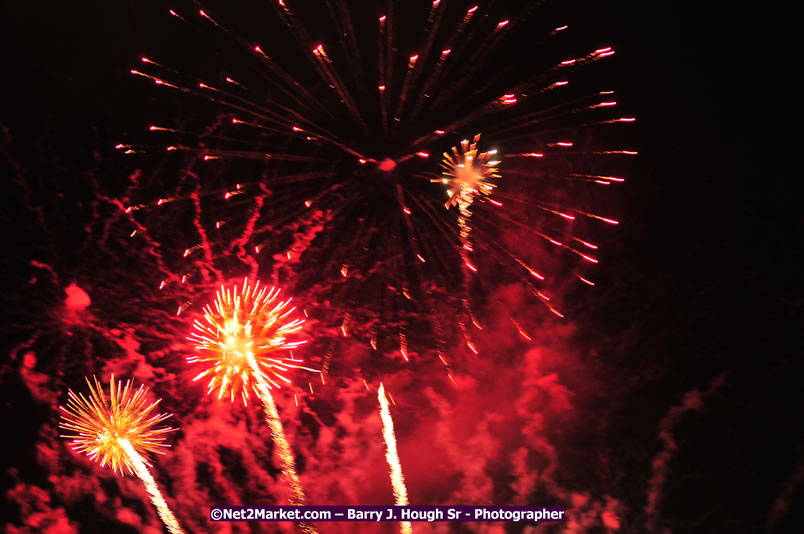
119,431
468,173
98,423
320,148
242,344
246,334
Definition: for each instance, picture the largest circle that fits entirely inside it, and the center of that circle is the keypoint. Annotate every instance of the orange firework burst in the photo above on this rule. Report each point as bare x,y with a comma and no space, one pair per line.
468,172
241,342
250,324
100,425
119,431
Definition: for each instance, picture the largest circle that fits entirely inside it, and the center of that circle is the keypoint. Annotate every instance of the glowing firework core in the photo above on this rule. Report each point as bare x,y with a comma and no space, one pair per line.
468,172
252,324
387,165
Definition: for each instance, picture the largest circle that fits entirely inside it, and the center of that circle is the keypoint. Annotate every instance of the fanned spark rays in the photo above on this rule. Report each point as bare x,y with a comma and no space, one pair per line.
250,324
320,153
468,172
118,431
392,457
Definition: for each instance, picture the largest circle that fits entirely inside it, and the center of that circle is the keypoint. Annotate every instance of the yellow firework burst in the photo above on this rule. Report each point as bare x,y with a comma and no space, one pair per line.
250,323
106,427
468,172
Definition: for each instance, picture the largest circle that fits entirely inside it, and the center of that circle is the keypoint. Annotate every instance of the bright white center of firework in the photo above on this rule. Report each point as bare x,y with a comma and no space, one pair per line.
237,347
107,437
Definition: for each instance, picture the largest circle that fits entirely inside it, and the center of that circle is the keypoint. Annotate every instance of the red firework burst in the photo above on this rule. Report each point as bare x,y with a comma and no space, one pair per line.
253,322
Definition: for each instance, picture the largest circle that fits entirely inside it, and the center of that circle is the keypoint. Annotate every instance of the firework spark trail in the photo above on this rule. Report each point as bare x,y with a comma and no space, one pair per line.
284,451
397,478
116,431
151,487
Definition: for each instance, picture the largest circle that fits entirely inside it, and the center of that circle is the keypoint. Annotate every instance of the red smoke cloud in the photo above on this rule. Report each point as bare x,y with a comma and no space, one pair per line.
492,437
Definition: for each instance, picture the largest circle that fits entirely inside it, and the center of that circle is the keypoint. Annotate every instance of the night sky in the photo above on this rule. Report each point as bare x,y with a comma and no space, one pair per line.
667,399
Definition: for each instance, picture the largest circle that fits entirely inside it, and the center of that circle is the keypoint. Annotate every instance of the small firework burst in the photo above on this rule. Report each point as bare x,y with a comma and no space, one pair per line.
468,172
252,323
104,427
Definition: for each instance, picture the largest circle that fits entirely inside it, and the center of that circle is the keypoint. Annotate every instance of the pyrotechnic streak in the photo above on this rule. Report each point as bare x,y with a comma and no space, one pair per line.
392,457
283,449
252,323
151,487
117,431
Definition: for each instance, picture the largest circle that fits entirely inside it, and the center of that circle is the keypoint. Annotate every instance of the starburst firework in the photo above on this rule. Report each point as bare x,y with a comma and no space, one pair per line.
98,423
119,430
323,157
250,325
468,172
242,343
